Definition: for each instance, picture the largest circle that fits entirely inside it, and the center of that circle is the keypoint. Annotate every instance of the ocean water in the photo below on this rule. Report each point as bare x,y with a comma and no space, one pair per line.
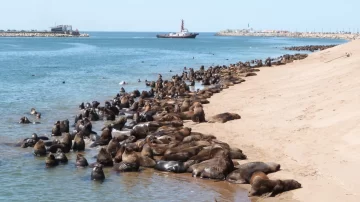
32,71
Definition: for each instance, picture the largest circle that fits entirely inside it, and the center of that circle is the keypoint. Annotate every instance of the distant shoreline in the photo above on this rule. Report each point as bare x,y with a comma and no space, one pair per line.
345,36
40,34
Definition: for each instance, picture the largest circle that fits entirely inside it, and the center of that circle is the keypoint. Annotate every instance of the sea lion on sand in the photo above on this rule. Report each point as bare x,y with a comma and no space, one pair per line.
223,117
236,153
39,148
199,114
261,184
50,161
104,158
174,166
218,167
81,161
97,173
245,171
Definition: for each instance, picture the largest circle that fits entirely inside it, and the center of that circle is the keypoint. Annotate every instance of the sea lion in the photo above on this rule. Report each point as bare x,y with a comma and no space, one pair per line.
39,148
236,153
146,161
64,126
24,120
245,171
113,147
81,161
218,167
223,117
119,123
56,129
174,166
261,184
60,156
67,142
33,111
50,161
97,173
79,143
199,114
130,161
185,105
104,158
105,135
119,153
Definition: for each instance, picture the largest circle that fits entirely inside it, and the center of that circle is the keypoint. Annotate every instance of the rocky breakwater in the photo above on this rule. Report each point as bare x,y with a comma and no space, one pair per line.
345,36
40,34
311,48
145,130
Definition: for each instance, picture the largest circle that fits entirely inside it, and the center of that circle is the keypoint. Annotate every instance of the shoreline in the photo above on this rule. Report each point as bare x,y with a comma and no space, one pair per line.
289,34
295,116
250,78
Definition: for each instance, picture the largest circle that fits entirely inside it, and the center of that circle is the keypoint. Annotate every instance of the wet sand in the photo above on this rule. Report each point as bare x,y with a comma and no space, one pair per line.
303,115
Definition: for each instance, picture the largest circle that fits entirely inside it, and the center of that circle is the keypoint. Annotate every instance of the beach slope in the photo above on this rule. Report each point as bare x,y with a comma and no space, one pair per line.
305,116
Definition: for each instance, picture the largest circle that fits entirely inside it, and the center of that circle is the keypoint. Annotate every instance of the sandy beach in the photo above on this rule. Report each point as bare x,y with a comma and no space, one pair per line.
302,115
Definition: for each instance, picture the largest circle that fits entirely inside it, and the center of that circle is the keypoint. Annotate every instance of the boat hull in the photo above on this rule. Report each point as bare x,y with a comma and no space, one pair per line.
192,36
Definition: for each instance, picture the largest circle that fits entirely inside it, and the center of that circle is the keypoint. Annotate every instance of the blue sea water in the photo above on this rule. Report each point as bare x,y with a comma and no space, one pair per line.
32,71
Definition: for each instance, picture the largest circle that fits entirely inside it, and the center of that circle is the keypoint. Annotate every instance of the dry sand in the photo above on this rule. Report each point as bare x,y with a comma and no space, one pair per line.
303,115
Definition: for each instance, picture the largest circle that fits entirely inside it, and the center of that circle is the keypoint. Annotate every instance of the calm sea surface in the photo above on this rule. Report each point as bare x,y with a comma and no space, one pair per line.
32,71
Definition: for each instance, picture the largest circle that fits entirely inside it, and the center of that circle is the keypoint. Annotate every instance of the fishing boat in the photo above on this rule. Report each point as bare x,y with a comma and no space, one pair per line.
183,34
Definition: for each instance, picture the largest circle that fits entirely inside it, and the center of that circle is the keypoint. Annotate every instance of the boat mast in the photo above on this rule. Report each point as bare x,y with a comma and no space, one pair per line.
182,26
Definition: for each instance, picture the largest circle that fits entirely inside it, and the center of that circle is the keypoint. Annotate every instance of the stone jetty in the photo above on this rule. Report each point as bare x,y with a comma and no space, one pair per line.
40,34
327,35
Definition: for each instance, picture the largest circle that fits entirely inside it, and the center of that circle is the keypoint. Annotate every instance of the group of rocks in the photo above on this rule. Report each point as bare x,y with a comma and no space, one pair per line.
311,48
145,129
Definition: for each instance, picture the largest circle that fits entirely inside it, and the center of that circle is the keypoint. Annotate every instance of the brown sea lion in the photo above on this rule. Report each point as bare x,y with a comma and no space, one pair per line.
104,158
56,129
67,142
64,126
119,123
236,153
105,135
119,153
39,148
185,105
113,147
261,184
223,117
81,161
50,161
130,161
79,143
199,114
245,171
218,167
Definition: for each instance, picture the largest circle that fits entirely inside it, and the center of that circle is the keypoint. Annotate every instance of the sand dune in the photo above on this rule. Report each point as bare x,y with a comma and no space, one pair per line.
304,116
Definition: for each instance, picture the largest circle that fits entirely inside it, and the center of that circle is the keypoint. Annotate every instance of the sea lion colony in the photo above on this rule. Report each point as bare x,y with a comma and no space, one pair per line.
146,130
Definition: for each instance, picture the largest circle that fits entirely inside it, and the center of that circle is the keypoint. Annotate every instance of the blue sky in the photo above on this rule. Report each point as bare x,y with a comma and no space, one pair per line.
165,15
